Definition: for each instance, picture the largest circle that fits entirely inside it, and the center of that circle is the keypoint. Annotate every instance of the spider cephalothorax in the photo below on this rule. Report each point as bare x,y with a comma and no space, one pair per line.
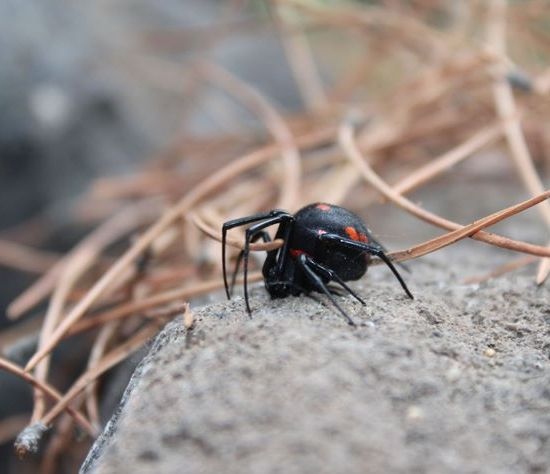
322,243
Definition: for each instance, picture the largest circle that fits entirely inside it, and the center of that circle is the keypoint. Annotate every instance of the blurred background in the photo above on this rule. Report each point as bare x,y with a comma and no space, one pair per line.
106,103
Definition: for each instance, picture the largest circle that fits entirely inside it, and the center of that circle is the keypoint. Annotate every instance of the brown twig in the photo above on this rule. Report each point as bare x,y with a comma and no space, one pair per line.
49,391
352,152
508,113
468,230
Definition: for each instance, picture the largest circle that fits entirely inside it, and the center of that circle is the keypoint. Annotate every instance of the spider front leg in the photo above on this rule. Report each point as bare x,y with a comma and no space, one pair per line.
261,234
371,250
285,220
238,223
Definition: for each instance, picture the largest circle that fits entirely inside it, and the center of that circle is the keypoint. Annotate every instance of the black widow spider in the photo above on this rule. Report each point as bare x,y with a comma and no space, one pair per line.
322,243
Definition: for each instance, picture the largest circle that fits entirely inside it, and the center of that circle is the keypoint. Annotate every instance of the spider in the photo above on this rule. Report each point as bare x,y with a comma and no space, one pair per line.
322,243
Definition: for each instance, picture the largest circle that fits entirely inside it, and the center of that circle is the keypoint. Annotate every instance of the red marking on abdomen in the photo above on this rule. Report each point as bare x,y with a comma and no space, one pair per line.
354,235
295,253
323,207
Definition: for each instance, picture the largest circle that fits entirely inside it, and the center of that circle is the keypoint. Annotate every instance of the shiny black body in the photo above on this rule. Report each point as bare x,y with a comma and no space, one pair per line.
322,243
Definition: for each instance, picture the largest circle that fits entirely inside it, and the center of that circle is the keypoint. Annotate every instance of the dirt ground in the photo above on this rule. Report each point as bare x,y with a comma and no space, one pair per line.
456,381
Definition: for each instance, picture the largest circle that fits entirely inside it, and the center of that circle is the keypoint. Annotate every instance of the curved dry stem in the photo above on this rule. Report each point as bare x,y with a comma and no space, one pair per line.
347,141
468,230
51,392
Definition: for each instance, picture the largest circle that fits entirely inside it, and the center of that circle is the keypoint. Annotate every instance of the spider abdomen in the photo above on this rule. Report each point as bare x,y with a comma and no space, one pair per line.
320,218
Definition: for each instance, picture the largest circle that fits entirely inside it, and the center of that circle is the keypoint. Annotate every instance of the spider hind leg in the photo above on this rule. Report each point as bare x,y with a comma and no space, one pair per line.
371,250
310,270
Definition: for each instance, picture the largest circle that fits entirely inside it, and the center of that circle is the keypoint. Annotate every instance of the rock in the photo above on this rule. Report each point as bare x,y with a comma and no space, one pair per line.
295,389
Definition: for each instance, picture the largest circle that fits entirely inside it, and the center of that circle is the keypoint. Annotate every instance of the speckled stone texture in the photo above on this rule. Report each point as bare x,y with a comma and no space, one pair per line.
456,381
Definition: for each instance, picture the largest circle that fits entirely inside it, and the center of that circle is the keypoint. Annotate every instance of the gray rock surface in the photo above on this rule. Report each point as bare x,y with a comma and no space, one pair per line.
456,381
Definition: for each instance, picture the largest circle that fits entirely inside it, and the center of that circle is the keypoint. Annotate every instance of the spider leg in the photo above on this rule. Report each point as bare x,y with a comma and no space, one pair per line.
265,237
333,276
284,219
375,243
238,223
370,249
306,265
